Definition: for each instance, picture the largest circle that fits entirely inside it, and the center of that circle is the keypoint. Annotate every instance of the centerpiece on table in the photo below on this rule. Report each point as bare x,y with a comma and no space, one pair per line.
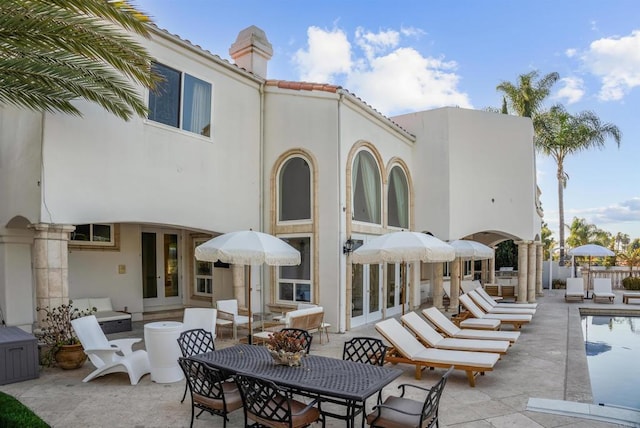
286,348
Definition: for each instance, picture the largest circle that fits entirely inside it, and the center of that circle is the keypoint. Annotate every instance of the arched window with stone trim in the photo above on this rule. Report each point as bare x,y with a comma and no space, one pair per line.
294,190
398,199
366,186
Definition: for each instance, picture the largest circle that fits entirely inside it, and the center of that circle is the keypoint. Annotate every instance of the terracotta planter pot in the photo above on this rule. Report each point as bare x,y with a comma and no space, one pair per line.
70,357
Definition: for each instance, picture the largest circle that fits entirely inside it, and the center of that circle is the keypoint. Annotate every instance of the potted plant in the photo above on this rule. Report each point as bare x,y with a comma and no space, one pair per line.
62,346
286,348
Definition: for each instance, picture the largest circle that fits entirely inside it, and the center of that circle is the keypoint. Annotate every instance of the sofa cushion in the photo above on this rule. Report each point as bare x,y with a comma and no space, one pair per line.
102,304
111,316
81,304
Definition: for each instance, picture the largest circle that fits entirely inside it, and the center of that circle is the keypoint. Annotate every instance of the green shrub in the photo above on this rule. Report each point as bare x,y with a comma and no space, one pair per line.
14,414
631,283
559,284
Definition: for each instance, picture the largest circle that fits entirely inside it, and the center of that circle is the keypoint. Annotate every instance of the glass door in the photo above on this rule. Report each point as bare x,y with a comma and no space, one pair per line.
160,268
394,290
366,294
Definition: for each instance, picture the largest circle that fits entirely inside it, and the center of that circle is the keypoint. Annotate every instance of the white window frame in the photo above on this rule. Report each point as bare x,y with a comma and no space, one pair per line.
293,282
196,242
91,242
279,190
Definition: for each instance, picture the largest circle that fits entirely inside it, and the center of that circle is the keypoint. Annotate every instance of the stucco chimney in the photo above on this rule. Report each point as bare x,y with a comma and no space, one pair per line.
252,51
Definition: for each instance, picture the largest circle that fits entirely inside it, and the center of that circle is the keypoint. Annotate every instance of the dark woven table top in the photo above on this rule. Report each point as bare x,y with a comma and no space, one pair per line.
319,375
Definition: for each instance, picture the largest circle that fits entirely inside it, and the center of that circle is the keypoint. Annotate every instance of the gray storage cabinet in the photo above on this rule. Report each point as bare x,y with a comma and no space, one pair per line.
18,355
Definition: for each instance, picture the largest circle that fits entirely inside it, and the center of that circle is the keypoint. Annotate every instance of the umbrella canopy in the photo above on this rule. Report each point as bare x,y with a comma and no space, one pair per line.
403,247
592,250
466,249
398,247
248,247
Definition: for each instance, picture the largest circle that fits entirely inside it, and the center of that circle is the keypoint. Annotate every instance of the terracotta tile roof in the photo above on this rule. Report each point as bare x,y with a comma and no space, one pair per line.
303,86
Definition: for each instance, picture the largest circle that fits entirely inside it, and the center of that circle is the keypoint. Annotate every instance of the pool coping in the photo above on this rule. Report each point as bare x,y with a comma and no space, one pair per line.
622,416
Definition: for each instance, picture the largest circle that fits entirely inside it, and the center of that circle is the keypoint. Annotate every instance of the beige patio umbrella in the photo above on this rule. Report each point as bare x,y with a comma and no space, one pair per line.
248,247
403,247
467,249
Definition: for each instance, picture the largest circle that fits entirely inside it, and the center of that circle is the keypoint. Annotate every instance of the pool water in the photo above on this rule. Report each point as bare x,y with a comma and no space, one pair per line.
612,344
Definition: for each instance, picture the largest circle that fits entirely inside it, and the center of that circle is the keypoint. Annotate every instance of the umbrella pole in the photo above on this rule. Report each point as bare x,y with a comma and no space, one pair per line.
403,273
250,338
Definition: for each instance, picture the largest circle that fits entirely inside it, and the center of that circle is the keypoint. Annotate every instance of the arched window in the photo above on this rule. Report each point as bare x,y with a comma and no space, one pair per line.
398,198
366,188
294,190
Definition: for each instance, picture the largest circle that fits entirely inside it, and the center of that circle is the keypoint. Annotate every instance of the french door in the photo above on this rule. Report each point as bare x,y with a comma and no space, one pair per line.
393,297
366,294
160,268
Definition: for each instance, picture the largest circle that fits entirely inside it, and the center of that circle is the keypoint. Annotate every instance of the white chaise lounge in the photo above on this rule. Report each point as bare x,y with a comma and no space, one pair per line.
602,289
516,320
574,289
407,349
444,324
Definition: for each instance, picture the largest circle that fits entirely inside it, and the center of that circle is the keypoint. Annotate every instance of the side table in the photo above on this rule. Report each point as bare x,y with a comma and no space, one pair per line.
161,342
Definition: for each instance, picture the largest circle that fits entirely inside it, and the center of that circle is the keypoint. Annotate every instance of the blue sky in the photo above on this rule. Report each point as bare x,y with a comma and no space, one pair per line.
405,56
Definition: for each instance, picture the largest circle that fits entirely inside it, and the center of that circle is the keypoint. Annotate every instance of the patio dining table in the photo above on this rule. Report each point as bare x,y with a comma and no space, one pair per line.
330,379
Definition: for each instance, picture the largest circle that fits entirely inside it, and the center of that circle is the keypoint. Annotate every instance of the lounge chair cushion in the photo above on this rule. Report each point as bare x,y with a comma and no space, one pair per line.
480,324
450,329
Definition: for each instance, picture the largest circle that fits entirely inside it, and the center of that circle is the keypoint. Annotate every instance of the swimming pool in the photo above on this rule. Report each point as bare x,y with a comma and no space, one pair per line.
612,344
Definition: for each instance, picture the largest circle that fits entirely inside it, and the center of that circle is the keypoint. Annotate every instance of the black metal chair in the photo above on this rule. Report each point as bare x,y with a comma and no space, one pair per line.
405,412
301,334
194,342
368,350
211,390
270,405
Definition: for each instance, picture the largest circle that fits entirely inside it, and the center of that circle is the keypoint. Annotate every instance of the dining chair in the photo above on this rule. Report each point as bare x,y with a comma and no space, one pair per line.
368,350
271,405
406,412
193,342
365,350
211,391
301,334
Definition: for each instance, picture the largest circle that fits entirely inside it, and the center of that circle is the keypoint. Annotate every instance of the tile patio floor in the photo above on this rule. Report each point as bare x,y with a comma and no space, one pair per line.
548,362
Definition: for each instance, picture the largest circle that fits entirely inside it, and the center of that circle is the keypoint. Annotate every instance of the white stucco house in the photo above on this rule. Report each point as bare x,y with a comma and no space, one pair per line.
98,207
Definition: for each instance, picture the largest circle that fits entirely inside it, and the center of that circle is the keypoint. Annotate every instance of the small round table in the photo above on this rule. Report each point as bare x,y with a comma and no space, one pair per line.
161,341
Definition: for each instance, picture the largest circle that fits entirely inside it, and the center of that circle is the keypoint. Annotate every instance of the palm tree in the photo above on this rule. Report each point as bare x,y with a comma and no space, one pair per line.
55,51
526,97
560,134
631,258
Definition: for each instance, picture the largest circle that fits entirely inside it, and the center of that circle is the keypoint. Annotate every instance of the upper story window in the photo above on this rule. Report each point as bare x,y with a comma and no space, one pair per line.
398,198
101,235
294,190
366,188
181,101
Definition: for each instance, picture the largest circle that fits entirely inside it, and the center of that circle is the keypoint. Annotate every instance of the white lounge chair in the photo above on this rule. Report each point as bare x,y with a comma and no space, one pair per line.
516,320
574,289
407,349
445,325
487,307
228,311
489,298
204,318
468,285
430,337
104,355
602,289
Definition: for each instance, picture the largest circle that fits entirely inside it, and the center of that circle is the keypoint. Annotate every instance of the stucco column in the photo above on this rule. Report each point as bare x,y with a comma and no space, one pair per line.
531,273
455,285
51,264
523,265
484,273
492,270
539,259
237,272
436,285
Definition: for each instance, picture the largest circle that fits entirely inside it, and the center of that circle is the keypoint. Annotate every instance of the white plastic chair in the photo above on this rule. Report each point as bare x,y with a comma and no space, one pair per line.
104,355
204,318
602,289
228,310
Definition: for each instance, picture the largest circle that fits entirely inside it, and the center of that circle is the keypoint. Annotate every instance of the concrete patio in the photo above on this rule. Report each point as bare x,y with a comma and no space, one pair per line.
545,370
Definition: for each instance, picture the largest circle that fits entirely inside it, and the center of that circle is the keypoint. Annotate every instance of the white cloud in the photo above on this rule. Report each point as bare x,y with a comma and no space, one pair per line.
572,89
616,61
391,77
328,54
571,52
